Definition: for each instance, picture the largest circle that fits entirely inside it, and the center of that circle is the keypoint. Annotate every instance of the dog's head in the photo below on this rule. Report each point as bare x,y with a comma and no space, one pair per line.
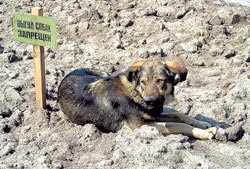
154,80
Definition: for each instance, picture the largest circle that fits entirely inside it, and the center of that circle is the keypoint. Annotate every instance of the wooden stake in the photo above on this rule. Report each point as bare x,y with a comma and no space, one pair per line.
39,68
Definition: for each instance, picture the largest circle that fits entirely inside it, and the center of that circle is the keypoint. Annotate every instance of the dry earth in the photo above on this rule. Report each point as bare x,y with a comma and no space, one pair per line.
212,38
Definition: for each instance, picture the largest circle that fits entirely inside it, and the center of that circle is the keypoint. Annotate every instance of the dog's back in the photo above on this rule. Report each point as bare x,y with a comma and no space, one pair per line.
84,100
73,84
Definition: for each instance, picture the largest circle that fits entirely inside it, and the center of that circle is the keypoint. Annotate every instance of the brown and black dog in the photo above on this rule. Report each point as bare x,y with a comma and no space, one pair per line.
132,99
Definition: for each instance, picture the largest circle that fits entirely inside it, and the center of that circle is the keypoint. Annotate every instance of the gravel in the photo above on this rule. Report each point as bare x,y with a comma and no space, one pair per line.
210,37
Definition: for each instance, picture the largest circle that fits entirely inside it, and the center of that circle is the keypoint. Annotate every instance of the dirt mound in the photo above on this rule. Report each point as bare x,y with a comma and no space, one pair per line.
212,38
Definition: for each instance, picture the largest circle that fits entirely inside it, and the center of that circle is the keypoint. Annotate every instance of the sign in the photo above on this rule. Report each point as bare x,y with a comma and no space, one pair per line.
37,30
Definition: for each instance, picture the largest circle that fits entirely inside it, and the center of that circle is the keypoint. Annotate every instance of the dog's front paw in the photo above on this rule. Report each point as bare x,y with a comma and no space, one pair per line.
204,134
211,132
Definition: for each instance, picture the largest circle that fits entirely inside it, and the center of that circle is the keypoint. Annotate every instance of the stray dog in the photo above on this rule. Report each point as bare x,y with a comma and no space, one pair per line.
132,98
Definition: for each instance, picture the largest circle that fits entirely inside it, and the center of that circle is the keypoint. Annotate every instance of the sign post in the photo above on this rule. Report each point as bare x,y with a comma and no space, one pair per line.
39,31
39,68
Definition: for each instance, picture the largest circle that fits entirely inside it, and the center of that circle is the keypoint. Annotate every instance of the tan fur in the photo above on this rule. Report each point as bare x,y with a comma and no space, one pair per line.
176,66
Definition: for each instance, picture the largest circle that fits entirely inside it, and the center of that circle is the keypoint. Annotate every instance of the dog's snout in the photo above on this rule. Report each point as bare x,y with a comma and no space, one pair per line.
150,100
153,101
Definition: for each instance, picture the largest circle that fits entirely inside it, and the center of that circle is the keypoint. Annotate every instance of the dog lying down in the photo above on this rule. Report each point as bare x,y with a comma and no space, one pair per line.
132,98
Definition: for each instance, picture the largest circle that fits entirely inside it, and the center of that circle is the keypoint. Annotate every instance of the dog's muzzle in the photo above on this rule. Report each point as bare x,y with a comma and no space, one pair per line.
152,101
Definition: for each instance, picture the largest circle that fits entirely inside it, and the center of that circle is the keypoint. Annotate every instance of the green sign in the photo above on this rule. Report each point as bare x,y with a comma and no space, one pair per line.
37,30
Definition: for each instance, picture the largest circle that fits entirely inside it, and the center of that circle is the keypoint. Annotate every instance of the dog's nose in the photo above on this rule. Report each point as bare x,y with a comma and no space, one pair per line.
150,100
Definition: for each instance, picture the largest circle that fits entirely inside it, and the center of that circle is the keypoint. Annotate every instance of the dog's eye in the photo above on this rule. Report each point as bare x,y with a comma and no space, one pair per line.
143,82
159,81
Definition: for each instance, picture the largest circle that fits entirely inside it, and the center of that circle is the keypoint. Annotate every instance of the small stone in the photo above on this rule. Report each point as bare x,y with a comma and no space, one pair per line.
199,63
248,58
165,40
13,95
43,161
7,150
29,49
106,163
60,41
131,5
52,55
164,11
238,92
235,133
22,51
13,58
72,20
216,21
236,19
118,155
1,49
221,134
229,53
57,9
215,50
164,2
8,144
90,132
162,26
83,26
187,145
142,42
150,12
58,166
127,22
5,128
237,62
167,48
69,47
96,15
225,31
176,157
13,75
193,46
38,3
17,117
4,110
156,50
4,165
147,132
190,48
118,44
24,141
182,12
77,5
143,53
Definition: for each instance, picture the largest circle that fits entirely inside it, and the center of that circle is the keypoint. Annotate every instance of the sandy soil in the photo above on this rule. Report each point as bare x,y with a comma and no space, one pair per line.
212,38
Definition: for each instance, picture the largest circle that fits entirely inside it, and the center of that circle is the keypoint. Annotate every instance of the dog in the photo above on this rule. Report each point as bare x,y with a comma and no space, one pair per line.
129,99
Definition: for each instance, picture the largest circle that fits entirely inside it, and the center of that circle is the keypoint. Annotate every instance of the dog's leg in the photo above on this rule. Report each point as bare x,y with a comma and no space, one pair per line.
182,128
164,117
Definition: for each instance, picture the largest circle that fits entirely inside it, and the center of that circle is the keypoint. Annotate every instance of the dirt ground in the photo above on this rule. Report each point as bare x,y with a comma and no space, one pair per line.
212,38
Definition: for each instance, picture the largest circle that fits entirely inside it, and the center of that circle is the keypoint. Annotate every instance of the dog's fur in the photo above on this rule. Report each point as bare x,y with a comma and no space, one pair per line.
132,98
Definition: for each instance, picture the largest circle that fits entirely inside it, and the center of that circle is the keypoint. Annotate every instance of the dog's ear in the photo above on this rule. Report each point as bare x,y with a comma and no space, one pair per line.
133,70
178,70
